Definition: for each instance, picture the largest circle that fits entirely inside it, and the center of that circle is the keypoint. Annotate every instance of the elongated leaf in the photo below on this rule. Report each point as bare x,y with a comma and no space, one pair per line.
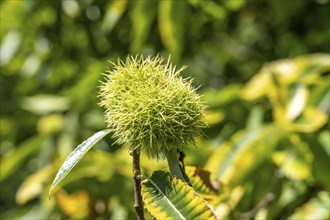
238,157
114,11
167,197
14,159
76,155
32,186
142,16
171,24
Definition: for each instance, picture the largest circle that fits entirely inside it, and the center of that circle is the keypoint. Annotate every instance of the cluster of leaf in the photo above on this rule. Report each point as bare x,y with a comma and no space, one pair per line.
259,149
259,165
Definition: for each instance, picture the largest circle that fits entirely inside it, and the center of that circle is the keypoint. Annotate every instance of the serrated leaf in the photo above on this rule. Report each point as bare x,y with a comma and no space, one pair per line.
167,197
200,180
76,155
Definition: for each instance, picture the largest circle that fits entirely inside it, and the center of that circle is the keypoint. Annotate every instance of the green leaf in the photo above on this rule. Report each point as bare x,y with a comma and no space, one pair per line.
167,197
321,160
238,157
225,96
14,159
76,155
114,11
171,21
142,16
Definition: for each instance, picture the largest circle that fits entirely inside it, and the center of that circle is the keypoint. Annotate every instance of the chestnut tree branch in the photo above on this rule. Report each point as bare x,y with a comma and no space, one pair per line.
138,202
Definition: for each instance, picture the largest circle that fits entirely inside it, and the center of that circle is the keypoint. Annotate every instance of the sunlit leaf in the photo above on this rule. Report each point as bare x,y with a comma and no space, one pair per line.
114,11
236,158
311,120
76,155
297,102
200,180
167,197
214,117
258,86
311,66
295,162
50,124
304,69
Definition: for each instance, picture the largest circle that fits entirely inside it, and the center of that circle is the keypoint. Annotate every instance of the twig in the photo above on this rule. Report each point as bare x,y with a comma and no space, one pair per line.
138,203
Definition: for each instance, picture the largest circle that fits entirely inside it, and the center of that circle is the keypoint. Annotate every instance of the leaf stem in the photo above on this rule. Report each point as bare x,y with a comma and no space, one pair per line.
173,163
138,203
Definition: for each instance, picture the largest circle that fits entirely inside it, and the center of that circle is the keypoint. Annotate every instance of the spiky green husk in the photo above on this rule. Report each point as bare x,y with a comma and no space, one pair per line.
150,107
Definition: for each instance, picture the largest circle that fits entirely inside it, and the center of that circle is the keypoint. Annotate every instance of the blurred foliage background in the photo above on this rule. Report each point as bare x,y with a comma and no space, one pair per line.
263,70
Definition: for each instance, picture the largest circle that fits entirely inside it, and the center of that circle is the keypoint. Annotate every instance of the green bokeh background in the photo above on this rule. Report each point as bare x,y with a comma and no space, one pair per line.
54,51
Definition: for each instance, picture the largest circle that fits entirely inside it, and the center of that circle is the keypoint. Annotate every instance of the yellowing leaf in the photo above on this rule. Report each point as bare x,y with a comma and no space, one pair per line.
258,86
50,124
295,162
167,197
310,121
200,180
214,117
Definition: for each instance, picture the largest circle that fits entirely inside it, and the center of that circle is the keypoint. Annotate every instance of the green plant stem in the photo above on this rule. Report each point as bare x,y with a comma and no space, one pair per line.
173,163
138,203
